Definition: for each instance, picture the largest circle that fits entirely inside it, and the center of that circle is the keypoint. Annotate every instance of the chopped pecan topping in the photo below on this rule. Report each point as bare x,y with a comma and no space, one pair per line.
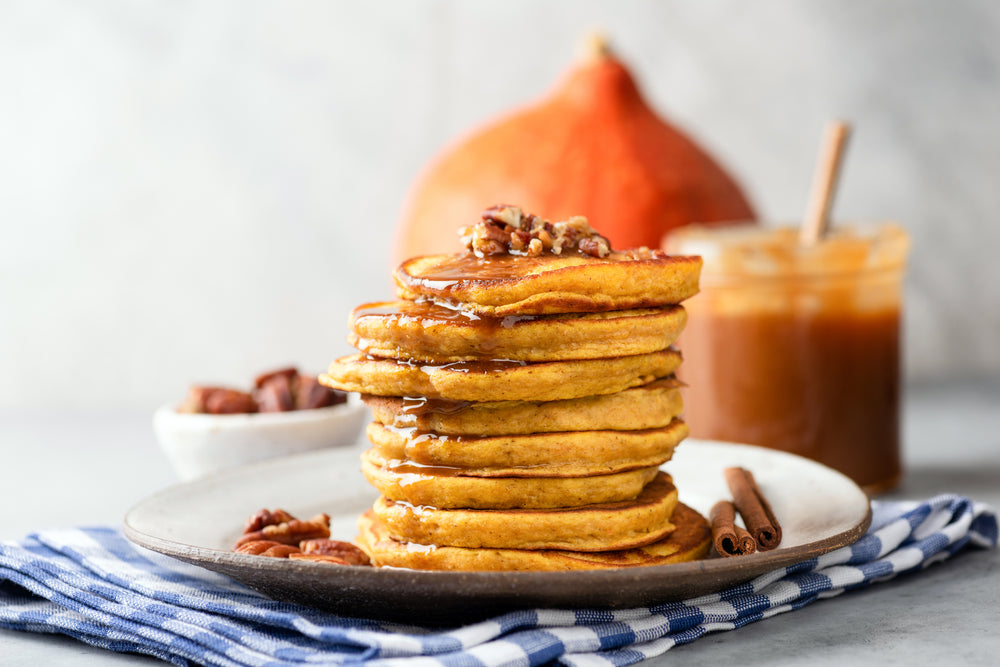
266,517
506,230
290,532
345,551
591,247
267,548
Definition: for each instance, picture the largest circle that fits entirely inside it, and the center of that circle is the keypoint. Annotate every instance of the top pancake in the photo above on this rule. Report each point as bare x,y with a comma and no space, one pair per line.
545,284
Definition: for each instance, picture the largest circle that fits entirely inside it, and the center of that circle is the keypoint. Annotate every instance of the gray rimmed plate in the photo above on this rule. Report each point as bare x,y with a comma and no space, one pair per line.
819,510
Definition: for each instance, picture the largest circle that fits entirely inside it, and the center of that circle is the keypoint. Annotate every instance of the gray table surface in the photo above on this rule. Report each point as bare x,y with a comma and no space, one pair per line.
87,469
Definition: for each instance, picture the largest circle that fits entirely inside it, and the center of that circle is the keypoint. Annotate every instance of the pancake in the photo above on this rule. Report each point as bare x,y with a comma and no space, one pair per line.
499,380
689,541
572,453
564,283
423,331
451,488
652,405
598,527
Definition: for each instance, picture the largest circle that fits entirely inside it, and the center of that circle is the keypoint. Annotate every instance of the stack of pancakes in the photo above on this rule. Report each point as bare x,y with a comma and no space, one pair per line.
522,409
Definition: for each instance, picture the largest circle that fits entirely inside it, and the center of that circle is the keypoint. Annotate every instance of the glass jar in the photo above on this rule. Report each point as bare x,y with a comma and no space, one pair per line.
797,347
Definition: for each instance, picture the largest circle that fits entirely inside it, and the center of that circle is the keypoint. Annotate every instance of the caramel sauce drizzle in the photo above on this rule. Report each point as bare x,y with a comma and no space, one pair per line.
468,268
427,313
482,366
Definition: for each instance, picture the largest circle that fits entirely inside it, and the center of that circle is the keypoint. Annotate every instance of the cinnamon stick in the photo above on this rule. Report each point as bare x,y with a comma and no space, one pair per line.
729,539
754,508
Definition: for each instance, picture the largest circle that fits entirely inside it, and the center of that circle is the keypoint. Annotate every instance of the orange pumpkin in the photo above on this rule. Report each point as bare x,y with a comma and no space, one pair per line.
592,147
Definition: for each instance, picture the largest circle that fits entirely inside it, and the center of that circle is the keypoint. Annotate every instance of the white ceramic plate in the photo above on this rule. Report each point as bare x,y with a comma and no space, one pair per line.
819,510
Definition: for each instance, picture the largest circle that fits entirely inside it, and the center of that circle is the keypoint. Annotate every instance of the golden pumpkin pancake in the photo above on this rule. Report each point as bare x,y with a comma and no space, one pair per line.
598,527
424,331
689,541
568,453
452,488
652,405
499,380
571,282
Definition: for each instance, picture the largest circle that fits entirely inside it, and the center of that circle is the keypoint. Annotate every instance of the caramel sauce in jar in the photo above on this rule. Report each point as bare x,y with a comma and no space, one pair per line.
798,348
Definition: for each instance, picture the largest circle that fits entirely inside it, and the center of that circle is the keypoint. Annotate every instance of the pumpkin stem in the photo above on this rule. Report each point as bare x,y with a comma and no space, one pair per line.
595,47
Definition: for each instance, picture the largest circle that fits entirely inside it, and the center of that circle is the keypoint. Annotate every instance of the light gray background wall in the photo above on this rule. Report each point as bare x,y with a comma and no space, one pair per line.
198,191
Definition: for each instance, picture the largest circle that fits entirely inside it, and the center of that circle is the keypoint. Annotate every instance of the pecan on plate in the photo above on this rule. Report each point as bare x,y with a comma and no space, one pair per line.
290,532
266,517
318,558
267,548
345,551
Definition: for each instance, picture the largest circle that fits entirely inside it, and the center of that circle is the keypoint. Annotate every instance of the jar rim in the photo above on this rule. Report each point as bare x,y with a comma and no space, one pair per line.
774,253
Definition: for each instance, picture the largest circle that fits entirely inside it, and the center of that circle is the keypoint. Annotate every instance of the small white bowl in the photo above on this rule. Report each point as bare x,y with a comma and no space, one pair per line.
197,444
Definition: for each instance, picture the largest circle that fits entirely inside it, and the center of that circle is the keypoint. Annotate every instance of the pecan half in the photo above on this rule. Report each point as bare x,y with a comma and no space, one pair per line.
275,395
318,558
287,389
229,402
324,558
266,517
217,401
289,373
267,548
310,394
291,532
345,551
276,391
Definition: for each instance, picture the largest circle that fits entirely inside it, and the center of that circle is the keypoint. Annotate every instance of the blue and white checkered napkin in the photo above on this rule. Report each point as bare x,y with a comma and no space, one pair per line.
92,584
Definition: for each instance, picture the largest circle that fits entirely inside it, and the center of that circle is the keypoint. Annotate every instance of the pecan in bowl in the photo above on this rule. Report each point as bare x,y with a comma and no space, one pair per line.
286,413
